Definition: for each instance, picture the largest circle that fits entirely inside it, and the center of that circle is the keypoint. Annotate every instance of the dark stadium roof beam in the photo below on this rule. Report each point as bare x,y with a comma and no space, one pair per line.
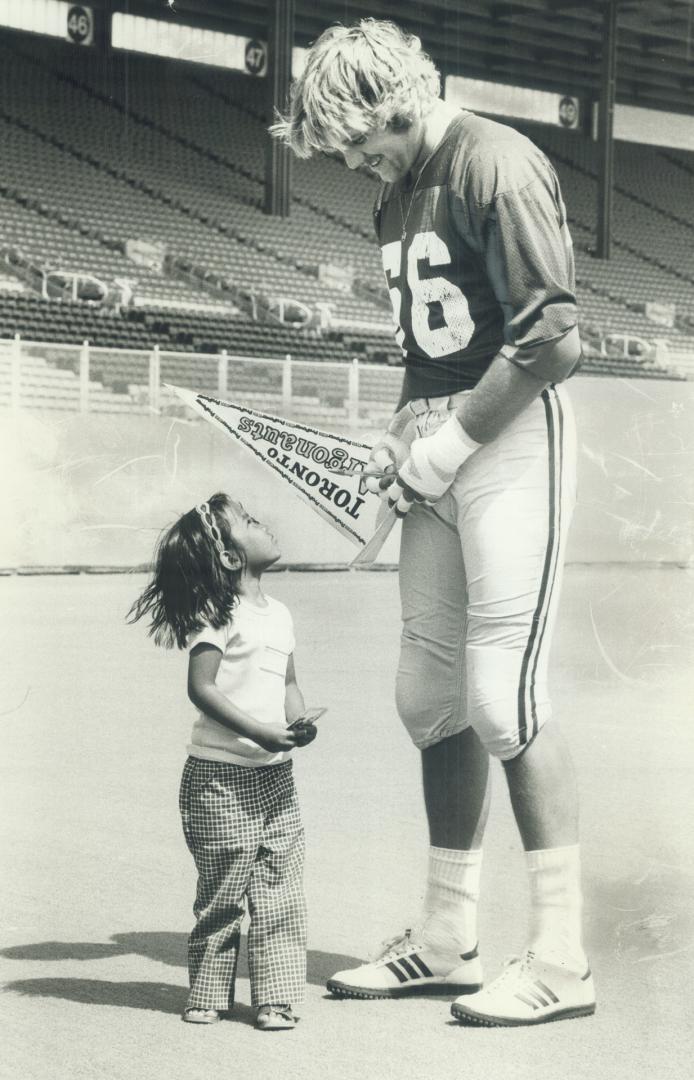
484,36
566,5
554,75
502,31
278,194
523,51
608,93
508,11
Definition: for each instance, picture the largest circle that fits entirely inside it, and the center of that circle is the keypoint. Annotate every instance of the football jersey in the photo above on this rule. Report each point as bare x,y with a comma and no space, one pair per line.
477,256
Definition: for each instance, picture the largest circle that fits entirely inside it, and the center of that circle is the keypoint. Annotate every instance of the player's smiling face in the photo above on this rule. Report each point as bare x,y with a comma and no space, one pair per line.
389,154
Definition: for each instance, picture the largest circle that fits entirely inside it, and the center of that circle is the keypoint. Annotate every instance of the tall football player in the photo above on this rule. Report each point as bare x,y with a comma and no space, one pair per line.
481,451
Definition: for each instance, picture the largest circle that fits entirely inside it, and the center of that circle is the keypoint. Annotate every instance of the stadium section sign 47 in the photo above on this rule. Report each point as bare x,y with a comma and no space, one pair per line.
322,468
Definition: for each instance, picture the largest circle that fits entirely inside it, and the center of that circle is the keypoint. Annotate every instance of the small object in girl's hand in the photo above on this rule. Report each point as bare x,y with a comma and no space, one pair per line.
309,717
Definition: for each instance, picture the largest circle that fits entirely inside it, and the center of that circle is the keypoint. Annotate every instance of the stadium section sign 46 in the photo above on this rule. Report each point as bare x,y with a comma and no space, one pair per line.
80,24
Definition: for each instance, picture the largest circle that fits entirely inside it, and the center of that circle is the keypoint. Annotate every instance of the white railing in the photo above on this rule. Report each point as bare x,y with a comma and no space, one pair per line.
88,378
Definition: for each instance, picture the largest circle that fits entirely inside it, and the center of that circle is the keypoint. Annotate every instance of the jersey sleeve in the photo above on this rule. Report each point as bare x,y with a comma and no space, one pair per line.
526,248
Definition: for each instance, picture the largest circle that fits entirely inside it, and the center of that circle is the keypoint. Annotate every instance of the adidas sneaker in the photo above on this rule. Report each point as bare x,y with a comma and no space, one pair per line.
407,967
529,991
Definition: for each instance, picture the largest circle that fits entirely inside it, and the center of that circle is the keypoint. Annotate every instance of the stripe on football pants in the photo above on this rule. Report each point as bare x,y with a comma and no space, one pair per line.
527,711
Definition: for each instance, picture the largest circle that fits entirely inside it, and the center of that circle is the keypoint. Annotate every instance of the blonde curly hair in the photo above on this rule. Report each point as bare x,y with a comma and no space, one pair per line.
357,80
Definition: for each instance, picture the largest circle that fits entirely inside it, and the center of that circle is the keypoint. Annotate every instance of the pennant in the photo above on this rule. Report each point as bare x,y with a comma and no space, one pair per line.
387,518
323,469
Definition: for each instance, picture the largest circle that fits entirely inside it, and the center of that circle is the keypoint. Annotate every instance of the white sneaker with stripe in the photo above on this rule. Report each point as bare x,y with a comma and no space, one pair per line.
529,991
407,967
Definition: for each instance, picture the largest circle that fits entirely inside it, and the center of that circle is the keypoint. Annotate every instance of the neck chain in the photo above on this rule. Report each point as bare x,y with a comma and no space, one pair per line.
404,217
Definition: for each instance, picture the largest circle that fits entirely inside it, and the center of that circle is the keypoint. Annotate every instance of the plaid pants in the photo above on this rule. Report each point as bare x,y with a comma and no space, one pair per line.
243,829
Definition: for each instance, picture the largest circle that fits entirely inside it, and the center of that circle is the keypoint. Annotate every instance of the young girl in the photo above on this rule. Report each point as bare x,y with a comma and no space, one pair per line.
238,803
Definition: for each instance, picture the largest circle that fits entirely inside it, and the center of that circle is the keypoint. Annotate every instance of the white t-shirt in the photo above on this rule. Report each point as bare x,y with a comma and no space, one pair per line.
255,646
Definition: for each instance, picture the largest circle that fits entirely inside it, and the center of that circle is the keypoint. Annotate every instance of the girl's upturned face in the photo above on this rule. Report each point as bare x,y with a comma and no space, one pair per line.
256,541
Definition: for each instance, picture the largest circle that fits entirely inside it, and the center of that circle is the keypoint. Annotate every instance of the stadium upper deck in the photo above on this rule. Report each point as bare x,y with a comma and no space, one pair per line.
142,149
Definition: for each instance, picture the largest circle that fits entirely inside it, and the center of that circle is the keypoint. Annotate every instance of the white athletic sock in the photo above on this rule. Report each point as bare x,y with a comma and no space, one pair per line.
556,905
450,903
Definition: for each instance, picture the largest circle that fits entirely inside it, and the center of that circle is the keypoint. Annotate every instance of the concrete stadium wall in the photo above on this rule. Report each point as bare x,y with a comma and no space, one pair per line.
95,490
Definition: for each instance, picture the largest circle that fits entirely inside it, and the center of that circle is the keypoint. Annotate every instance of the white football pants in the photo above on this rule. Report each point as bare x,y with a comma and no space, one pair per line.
480,576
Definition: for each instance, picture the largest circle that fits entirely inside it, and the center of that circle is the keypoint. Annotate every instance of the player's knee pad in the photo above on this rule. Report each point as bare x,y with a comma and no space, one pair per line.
507,695
504,726
428,701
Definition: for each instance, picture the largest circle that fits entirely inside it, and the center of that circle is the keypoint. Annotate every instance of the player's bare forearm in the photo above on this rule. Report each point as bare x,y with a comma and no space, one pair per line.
403,399
501,395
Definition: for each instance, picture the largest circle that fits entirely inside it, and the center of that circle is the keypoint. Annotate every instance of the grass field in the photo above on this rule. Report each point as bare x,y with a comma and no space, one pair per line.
98,884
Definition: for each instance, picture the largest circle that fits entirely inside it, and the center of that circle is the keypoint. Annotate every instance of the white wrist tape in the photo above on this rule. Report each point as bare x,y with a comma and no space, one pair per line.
434,460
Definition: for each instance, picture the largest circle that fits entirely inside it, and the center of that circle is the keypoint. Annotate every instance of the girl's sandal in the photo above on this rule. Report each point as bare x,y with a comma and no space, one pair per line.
275,1018
201,1016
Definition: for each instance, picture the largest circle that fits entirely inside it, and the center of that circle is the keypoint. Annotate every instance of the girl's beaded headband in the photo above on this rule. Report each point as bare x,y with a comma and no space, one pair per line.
212,529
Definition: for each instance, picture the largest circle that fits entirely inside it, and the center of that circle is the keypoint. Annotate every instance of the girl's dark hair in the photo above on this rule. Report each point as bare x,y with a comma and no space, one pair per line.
190,587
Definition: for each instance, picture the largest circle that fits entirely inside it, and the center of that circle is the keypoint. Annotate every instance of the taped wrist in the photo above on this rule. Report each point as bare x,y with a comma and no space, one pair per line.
435,460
